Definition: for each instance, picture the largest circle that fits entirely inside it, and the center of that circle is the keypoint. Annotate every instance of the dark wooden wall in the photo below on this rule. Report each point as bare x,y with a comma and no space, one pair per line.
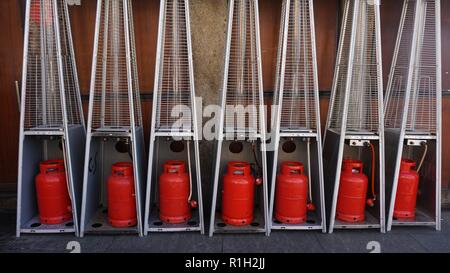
10,71
146,20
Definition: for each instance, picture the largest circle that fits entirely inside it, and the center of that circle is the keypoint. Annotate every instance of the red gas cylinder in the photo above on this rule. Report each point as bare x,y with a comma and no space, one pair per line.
52,193
121,196
291,194
238,194
174,188
408,186
352,197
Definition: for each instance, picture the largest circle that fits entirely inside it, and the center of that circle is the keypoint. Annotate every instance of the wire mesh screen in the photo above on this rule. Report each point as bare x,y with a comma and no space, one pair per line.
71,88
111,102
134,69
418,18
342,67
43,104
363,103
422,106
298,108
277,87
243,79
397,89
174,80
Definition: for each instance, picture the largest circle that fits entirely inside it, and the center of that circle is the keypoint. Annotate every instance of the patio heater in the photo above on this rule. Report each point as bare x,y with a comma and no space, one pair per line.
297,140
52,130
115,142
354,135
414,118
174,190
241,156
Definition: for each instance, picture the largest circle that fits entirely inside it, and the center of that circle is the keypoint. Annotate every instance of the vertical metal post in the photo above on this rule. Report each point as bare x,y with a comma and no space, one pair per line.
22,118
380,122
348,86
318,121
409,86
281,80
439,118
158,68
197,129
90,117
220,131
133,123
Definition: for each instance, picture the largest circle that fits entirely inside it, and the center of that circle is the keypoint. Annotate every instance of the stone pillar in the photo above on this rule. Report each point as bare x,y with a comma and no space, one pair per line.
208,27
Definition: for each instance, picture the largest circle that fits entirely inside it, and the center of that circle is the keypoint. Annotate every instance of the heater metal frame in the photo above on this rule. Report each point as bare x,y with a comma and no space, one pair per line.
312,135
35,144
159,139
259,138
94,218
343,137
402,136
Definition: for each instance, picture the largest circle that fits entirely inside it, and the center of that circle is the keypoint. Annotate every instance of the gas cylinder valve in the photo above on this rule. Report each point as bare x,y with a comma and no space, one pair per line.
193,204
258,181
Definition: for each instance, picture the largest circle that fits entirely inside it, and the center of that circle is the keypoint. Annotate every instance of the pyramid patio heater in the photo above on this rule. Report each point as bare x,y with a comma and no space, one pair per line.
52,130
114,164
296,188
174,196
240,194
354,137
414,118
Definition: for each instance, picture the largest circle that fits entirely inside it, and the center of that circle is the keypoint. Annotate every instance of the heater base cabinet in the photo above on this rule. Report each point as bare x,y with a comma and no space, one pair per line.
105,149
39,146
